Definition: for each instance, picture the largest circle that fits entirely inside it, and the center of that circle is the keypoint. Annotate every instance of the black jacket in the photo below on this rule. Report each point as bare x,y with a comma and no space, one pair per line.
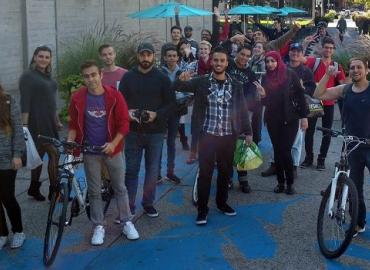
150,91
292,94
200,87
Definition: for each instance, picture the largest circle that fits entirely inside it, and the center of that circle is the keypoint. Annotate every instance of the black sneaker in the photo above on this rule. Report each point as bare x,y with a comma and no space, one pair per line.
245,187
279,188
307,162
150,211
173,178
227,210
320,164
201,218
290,190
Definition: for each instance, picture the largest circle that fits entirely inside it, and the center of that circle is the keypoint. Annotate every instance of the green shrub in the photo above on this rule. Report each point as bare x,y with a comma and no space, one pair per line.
330,16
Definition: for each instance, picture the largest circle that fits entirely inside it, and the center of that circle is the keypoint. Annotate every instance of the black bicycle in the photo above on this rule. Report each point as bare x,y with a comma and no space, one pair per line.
70,191
337,218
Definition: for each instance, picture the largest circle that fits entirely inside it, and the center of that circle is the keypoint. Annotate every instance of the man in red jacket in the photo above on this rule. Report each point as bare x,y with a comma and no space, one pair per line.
99,117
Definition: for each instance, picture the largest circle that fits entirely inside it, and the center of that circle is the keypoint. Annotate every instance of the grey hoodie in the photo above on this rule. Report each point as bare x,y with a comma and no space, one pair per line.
12,145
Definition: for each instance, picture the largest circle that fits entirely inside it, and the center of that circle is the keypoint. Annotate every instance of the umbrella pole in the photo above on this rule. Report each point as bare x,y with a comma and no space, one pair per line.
244,25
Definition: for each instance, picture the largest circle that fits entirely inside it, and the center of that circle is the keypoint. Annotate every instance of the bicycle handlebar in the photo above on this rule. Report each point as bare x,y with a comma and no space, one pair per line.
336,133
70,145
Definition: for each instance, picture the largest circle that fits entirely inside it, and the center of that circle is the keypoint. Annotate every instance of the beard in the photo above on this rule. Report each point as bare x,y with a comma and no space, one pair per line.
218,72
146,64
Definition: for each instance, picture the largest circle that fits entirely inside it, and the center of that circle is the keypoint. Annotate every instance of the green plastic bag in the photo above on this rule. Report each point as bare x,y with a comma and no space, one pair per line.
247,157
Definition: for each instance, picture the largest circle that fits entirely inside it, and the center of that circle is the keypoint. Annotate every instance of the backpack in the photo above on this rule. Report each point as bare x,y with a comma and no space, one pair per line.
317,63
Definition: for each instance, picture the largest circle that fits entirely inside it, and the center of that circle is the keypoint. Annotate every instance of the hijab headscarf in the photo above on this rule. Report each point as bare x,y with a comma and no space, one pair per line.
276,77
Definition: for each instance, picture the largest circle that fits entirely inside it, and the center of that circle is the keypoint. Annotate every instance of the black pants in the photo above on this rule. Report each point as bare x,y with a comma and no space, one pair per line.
9,202
211,149
53,155
282,137
327,122
256,121
358,160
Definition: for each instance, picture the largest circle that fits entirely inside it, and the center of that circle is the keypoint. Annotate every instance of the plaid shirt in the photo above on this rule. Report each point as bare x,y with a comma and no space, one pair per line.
218,120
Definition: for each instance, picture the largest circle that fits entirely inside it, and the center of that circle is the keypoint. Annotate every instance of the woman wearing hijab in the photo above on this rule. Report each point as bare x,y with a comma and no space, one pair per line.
283,96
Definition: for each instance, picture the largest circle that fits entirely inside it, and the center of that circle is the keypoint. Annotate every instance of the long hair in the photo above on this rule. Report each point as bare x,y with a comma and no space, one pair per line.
5,122
278,76
42,48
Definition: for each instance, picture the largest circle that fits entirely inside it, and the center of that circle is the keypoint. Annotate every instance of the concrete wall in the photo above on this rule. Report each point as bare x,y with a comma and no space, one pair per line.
26,24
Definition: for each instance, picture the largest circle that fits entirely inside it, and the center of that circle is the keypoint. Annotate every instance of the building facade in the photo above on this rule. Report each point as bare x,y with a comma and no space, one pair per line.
26,24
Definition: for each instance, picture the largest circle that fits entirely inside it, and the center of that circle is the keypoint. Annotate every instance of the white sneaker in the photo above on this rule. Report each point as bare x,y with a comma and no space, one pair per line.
130,231
98,237
3,241
359,230
18,240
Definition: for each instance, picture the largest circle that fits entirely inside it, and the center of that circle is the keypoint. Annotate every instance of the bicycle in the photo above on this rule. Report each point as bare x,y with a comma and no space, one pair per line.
69,190
339,203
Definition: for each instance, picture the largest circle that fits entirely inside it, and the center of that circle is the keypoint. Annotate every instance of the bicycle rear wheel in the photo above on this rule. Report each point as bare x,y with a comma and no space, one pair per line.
195,189
335,233
56,223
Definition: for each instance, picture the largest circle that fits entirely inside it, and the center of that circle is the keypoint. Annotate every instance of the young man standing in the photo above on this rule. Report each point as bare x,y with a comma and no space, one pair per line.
112,74
238,69
99,117
220,116
150,101
356,118
172,70
318,67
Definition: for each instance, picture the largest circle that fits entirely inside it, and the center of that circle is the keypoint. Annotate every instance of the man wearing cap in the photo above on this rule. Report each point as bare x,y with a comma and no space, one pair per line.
150,101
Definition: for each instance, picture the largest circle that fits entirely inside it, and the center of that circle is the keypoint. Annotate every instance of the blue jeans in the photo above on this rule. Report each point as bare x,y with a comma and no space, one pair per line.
172,126
135,144
358,160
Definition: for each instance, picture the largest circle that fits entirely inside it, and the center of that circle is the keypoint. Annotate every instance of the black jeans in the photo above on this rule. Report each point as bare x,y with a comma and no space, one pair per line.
9,202
52,152
327,122
282,137
358,160
211,149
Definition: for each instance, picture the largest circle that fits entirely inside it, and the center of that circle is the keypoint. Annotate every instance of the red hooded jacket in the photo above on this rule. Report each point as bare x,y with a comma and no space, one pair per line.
117,115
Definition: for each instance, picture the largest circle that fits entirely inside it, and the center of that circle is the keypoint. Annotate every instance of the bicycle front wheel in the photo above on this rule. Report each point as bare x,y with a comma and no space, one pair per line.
335,232
56,223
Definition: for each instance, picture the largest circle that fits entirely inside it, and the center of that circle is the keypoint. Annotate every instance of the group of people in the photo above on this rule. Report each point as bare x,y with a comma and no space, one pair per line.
239,81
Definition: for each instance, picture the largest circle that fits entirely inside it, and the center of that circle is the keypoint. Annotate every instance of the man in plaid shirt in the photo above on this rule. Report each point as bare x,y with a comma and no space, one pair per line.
220,116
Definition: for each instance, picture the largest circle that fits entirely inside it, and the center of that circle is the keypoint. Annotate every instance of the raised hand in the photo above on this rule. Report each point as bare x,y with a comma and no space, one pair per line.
260,90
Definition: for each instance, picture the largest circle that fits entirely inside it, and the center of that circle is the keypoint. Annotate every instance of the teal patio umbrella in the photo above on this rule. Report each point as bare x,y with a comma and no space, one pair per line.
167,10
248,10
292,10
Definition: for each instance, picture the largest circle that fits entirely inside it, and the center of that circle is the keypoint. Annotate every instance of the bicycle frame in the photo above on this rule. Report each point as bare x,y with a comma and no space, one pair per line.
341,169
80,193
333,189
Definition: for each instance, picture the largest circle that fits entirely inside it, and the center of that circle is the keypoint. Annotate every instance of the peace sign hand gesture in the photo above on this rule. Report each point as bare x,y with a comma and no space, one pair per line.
260,90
